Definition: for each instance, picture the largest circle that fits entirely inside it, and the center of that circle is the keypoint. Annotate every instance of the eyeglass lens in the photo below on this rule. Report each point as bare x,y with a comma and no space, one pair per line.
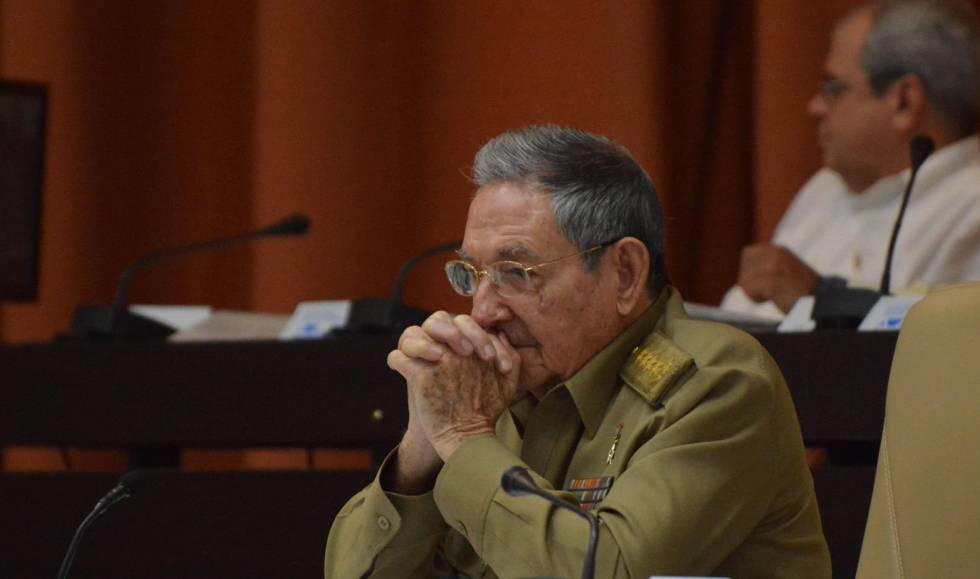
508,278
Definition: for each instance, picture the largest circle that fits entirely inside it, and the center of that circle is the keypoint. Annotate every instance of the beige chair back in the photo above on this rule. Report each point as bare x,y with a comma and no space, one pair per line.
924,520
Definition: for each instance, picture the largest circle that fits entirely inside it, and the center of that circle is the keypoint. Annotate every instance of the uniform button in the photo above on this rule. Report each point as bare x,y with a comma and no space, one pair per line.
384,523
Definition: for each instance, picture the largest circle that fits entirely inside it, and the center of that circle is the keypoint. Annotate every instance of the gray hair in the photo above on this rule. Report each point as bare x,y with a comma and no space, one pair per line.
598,192
935,40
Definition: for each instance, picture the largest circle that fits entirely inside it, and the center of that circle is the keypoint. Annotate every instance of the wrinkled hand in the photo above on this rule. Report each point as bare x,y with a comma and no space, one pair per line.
460,380
772,272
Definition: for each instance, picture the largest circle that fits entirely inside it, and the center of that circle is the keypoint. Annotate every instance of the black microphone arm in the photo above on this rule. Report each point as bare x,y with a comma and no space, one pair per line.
128,485
402,277
297,225
380,316
920,148
517,482
837,306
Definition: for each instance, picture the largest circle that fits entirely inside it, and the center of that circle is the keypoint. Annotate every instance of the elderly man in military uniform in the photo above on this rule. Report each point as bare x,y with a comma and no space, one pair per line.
578,363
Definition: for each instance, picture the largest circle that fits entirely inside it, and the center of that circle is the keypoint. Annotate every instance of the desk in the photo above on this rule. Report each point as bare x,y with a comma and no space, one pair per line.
179,525
337,393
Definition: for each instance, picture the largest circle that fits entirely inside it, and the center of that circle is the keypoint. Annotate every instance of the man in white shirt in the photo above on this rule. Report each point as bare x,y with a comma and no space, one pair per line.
894,70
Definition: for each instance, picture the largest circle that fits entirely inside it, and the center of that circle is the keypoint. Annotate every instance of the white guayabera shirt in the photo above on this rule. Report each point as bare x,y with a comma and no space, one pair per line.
841,233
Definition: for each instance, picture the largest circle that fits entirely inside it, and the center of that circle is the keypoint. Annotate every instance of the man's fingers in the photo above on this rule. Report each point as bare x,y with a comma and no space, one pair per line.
477,336
757,274
404,365
415,343
441,328
397,361
504,352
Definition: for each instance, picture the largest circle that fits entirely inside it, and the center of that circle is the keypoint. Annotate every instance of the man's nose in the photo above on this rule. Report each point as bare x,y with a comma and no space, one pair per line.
488,307
817,107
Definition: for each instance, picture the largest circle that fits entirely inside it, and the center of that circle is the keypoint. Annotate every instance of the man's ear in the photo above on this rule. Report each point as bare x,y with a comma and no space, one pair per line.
631,267
909,102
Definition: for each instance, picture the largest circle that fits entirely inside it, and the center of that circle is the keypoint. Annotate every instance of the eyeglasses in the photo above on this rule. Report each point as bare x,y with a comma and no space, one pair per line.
832,88
509,278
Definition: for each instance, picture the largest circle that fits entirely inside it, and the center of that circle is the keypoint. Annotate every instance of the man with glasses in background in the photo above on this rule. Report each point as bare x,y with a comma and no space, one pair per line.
896,69
578,363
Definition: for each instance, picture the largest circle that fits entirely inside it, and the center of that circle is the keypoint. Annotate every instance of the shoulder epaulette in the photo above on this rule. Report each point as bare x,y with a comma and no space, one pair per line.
654,365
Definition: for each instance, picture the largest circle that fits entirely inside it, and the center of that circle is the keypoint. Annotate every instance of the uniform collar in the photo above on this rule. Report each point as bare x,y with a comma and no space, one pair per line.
593,386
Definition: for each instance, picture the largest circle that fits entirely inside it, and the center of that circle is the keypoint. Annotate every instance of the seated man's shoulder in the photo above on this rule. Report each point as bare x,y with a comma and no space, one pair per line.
685,362
697,357
713,344
823,189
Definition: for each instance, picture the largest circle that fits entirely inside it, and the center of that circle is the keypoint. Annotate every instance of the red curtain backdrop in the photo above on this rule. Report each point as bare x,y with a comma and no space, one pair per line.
176,122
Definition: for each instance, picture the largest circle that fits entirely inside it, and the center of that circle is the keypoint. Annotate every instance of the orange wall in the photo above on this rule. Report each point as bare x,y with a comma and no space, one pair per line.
790,44
175,122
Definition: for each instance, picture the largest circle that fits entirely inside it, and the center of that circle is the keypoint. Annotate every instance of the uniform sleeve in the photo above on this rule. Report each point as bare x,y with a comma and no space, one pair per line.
691,494
378,534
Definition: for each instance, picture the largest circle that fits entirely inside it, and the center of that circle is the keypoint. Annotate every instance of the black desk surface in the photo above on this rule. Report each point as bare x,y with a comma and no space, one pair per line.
335,392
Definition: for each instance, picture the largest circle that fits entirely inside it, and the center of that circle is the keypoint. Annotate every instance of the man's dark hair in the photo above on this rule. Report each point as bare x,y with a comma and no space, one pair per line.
597,191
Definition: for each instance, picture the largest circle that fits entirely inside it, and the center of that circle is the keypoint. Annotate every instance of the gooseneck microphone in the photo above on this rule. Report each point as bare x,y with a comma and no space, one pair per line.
920,148
380,316
402,277
128,485
836,306
294,225
518,482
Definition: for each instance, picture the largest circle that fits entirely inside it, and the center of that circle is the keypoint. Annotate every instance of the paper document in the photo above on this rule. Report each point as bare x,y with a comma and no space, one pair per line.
177,317
888,313
313,320
227,325
738,319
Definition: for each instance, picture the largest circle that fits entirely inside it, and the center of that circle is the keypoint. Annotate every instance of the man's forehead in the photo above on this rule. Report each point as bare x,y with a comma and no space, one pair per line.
847,43
509,221
510,252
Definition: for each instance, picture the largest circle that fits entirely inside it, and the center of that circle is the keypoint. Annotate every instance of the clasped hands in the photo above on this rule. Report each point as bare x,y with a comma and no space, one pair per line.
460,379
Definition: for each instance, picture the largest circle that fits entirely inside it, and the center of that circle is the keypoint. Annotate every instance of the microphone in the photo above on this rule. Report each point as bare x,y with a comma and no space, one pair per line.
836,306
378,316
94,322
128,485
920,148
402,277
517,481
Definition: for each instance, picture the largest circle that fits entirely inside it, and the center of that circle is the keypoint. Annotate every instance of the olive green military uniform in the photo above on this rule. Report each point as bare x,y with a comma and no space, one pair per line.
680,436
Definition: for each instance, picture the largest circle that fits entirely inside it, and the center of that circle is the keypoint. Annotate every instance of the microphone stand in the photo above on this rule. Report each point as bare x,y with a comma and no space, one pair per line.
94,322
516,481
380,316
127,486
837,306
402,277
920,148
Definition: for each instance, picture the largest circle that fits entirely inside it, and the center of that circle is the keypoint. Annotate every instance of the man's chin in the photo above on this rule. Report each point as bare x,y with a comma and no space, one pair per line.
536,381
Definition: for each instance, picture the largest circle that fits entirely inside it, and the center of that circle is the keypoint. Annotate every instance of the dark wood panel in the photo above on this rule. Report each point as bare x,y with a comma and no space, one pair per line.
844,495
246,393
178,525
838,381
332,392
